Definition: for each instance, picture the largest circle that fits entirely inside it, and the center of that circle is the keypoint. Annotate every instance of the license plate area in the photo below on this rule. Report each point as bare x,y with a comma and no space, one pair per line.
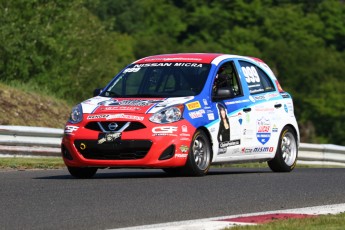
109,137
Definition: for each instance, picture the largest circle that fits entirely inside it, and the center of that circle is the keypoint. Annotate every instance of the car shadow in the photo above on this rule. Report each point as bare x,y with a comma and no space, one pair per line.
156,173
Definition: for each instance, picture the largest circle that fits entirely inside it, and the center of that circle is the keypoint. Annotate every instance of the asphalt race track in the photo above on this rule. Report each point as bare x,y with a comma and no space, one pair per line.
51,199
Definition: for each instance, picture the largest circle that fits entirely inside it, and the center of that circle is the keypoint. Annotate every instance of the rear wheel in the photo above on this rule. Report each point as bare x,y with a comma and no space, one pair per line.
199,157
82,173
286,155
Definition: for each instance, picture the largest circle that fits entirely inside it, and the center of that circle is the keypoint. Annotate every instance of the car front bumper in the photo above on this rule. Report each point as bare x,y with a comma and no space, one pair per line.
151,146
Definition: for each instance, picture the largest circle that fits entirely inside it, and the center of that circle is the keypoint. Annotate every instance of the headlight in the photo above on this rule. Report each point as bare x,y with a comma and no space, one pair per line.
76,115
168,115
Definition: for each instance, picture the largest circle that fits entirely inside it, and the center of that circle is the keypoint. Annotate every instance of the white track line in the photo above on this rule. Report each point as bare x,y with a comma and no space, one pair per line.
217,223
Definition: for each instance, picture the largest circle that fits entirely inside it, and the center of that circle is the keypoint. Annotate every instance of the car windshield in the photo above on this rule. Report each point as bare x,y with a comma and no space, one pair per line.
159,80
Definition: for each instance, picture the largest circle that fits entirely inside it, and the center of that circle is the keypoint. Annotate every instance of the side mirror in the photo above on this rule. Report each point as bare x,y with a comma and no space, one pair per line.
97,92
223,93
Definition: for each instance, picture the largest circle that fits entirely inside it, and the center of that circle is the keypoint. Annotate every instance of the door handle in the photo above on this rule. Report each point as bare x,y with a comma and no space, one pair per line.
246,110
277,106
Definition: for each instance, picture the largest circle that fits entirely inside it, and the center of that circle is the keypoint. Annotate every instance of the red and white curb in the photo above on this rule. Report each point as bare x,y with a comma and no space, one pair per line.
217,223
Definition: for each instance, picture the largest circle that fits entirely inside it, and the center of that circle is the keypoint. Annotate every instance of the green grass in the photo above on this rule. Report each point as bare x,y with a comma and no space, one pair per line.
333,222
22,163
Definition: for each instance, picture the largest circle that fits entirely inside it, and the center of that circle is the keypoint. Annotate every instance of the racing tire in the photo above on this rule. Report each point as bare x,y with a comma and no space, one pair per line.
199,156
82,173
287,151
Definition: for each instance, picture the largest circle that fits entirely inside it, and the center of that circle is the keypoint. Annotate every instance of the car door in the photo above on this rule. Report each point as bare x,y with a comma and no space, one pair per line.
229,129
260,120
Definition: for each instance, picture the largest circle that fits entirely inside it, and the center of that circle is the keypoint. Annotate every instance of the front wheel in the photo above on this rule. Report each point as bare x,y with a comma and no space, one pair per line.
82,173
286,155
199,157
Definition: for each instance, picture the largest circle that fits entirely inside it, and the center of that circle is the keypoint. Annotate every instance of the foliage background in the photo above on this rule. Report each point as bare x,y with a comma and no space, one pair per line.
68,48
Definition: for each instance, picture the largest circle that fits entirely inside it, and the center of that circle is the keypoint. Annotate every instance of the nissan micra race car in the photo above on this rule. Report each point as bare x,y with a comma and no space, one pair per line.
182,113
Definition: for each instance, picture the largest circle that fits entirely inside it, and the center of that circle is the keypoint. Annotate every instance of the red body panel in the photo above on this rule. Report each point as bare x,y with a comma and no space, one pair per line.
161,139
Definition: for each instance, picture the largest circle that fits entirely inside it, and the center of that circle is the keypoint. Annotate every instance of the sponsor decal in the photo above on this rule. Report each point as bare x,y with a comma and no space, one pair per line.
181,155
264,109
184,148
247,117
250,74
135,102
246,150
172,59
229,143
188,65
221,150
286,108
115,116
127,108
266,97
240,120
125,116
253,86
257,150
132,70
184,138
196,114
235,151
236,102
248,132
152,65
256,90
184,129
205,102
184,64
69,129
285,95
263,149
258,98
108,137
184,134
210,116
193,105
263,130
274,129
102,116
164,131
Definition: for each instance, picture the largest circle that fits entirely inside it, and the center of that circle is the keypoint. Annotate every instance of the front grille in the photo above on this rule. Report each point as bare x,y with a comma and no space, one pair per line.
98,126
121,150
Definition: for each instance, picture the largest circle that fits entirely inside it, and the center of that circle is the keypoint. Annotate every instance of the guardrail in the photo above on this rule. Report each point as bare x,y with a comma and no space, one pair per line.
40,141
29,141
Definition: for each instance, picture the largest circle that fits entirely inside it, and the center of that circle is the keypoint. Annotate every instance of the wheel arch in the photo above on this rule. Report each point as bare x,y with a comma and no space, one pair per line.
207,132
295,132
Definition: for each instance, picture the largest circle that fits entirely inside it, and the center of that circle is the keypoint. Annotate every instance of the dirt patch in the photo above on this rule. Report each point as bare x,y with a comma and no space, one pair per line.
31,109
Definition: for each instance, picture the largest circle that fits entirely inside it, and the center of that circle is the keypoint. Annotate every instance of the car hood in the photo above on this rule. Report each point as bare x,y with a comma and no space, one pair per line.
101,105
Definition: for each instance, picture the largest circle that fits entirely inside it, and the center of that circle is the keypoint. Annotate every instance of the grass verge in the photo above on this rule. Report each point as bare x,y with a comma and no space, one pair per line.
322,222
23,163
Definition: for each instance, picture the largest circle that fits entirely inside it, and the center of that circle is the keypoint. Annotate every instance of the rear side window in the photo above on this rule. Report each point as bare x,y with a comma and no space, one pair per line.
258,81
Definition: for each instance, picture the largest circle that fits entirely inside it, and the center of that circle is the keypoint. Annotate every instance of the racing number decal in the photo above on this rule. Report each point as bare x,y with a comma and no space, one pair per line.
251,74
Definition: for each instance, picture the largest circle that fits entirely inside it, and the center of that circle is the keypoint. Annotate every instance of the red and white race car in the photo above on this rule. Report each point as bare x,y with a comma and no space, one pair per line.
182,113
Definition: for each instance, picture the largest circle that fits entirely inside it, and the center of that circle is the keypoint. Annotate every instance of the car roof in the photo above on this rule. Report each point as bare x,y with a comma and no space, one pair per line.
206,58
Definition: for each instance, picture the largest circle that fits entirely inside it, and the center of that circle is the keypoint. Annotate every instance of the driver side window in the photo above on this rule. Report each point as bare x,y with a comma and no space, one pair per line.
227,78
